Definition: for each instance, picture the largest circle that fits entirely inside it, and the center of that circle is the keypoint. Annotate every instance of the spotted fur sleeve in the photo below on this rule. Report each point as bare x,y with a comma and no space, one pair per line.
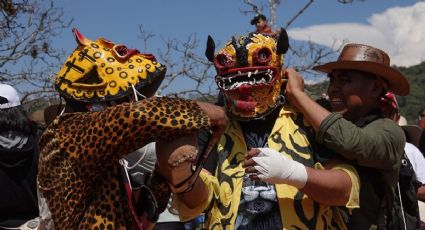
108,135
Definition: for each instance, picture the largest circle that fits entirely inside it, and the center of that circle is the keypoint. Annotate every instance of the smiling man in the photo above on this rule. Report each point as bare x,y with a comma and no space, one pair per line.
356,129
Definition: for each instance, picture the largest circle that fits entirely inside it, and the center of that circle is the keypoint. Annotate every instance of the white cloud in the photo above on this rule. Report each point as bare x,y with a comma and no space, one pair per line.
400,31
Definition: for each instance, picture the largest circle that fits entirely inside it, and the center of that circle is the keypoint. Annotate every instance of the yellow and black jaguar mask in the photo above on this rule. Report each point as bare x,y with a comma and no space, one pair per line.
249,73
102,71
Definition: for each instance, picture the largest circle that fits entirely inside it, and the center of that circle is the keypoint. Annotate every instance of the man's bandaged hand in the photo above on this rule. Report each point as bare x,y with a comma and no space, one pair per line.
270,166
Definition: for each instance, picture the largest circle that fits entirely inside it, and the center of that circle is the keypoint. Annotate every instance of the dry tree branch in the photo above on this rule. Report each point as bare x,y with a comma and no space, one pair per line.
145,36
345,1
255,8
300,12
39,93
306,55
187,67
27,28
273,4
183,64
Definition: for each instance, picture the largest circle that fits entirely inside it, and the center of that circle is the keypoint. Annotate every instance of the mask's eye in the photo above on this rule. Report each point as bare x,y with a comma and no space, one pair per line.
122,53
223,61
121,50
262,56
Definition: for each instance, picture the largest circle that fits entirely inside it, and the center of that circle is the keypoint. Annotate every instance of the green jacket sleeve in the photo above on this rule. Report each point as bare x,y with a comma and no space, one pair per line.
379,144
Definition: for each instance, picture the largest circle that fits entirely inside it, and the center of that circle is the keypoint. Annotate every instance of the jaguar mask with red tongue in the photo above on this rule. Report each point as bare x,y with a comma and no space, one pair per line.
249,73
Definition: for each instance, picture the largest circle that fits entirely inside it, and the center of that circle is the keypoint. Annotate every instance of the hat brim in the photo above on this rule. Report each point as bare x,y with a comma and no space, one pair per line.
397,83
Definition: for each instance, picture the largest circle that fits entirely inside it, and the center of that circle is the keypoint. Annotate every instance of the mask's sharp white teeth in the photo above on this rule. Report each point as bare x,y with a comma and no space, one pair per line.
249,74
271,72
256,71
239,72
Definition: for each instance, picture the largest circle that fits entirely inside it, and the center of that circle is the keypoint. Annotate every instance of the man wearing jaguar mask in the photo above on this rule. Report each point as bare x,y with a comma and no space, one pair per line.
109,113
250,76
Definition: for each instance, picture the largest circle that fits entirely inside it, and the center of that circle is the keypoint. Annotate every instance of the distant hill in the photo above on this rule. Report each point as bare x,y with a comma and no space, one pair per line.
317,90
410,105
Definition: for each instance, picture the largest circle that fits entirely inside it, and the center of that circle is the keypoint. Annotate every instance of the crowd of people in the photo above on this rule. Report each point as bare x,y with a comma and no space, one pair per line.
265,156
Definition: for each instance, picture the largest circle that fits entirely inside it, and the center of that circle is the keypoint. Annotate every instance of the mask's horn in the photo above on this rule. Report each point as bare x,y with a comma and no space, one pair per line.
209,52
81,40
234,43
282,42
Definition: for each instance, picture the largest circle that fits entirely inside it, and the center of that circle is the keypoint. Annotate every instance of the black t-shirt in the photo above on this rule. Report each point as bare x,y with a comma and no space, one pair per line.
18,185
258,207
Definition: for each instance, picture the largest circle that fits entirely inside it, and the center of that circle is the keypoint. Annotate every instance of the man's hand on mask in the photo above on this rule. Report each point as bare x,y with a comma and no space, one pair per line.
294,86
270,166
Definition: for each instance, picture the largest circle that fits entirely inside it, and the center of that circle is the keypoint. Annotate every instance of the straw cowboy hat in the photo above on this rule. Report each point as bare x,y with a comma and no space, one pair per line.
371,60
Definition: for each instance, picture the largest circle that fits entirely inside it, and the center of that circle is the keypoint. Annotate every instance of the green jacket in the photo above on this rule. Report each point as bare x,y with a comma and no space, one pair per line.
375,145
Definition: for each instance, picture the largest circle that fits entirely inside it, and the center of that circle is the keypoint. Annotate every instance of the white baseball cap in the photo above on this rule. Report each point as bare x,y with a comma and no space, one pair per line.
9,97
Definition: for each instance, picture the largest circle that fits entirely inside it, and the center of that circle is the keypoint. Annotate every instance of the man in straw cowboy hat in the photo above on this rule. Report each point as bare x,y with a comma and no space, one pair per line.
355,130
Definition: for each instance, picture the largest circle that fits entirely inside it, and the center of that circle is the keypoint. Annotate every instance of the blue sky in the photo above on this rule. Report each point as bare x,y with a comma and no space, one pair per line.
324,22
397,29
119,20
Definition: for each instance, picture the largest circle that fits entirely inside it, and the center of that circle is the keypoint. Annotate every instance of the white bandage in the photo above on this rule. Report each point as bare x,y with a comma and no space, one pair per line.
275,168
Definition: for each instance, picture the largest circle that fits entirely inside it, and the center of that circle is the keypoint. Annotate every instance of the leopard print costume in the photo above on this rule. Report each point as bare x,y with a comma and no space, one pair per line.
79,170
